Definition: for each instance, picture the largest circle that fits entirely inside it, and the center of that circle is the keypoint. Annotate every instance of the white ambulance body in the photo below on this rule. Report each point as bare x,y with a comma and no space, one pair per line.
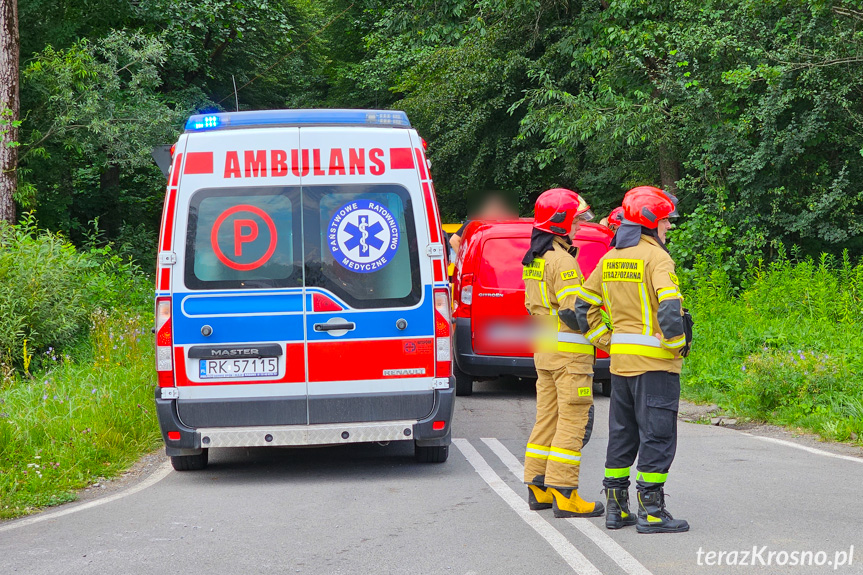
301,295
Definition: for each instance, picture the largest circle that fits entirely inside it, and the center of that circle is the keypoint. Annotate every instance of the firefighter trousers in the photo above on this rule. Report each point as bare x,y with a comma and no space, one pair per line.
564,418
642,421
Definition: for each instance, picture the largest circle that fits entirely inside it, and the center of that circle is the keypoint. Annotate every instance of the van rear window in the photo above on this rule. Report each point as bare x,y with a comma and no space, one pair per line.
360,243
500,266
243,238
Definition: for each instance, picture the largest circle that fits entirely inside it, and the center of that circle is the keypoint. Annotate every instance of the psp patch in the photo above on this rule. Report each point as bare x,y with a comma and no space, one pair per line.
363,236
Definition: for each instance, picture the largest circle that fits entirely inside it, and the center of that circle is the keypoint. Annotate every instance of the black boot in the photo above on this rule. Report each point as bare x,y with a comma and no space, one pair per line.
538,496
618,514
652,516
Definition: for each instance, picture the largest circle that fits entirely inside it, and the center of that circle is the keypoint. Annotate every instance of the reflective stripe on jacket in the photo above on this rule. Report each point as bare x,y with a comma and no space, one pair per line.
551,283
638,287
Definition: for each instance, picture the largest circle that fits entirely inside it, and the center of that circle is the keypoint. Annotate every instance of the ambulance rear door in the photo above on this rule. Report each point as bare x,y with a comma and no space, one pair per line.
370,308
238,300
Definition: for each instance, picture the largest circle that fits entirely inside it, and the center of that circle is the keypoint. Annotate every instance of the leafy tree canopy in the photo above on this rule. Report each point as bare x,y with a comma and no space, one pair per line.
749,110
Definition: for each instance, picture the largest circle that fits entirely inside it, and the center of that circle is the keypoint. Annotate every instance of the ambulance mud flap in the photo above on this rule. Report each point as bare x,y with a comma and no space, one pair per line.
179,439
424,432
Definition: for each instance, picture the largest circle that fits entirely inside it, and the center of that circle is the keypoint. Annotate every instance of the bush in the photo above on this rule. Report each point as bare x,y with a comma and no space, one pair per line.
42,302
50,289
786,348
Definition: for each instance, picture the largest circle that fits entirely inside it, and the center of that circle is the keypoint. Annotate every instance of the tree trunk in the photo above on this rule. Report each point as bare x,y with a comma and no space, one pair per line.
9,100
669,169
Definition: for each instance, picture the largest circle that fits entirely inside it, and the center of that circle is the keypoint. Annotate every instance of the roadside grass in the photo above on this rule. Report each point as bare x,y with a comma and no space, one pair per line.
81,419
786,347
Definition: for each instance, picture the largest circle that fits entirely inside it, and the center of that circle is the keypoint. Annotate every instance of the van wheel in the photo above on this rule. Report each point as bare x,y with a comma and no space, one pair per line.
604,386
463,381
435,454
190,462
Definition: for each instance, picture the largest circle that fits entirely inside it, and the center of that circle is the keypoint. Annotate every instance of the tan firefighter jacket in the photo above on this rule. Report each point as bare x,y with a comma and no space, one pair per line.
551,283
639,289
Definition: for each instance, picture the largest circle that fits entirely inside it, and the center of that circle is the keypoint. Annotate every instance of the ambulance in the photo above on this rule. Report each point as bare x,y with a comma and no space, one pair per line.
301,290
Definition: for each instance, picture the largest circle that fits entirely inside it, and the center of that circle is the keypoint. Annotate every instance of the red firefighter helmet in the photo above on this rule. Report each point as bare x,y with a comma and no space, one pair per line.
557,209
615,218
646,205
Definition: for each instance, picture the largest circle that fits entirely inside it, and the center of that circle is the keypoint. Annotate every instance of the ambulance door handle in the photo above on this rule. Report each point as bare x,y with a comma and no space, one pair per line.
347,326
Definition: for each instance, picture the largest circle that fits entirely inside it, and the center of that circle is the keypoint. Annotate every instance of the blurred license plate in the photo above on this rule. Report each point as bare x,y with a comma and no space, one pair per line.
521,333
247,367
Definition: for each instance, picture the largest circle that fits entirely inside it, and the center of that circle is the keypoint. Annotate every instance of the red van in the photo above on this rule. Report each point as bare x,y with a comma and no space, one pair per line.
491,336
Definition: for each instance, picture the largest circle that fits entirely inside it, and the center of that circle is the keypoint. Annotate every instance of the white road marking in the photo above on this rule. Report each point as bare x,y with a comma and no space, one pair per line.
814,450
159,474
611,548
557,540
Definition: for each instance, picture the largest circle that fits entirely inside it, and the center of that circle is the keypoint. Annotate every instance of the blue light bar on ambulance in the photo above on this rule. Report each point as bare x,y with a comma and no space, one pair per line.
264,118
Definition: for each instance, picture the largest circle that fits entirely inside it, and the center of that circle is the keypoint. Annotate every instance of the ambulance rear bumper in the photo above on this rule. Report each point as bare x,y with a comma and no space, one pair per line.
192,440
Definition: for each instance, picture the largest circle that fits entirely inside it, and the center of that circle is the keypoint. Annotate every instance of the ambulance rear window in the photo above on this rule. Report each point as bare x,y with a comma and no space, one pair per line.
361,244
243,238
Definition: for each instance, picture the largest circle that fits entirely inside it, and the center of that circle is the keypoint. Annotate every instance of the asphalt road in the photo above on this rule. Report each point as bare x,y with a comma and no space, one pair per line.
370,509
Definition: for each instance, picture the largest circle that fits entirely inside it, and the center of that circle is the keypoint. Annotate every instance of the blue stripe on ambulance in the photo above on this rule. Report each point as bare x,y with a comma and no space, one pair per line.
277,316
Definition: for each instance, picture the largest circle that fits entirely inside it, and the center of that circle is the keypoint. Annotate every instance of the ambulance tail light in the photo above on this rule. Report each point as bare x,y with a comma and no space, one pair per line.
164,343
443,333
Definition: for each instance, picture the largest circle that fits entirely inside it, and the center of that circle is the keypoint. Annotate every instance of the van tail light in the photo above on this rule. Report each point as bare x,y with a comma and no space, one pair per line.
443,333
164,343
465,296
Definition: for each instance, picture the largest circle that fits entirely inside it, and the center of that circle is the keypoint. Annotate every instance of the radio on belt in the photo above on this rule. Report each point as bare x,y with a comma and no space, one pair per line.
301,293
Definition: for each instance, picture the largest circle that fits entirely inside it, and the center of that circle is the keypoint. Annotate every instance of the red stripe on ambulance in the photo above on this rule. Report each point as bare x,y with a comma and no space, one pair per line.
401,159
168,225
198,163
175,170
165,279
434,228
349,360
421,162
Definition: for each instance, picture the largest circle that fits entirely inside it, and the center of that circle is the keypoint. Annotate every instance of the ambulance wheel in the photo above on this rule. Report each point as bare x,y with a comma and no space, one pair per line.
190,462
463,381
436,454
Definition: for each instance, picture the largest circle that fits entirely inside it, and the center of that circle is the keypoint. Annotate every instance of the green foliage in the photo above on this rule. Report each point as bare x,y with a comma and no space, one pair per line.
211,40
96,112
787,349
749,110
51,288
748,107
42,299
103,83
7,124
77,423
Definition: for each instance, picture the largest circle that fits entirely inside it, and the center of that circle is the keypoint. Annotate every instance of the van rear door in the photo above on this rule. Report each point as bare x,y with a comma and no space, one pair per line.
499,320
370,308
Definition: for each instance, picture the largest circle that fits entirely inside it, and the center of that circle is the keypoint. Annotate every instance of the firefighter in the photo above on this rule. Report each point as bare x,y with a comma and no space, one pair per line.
615,218
564,359
637,284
